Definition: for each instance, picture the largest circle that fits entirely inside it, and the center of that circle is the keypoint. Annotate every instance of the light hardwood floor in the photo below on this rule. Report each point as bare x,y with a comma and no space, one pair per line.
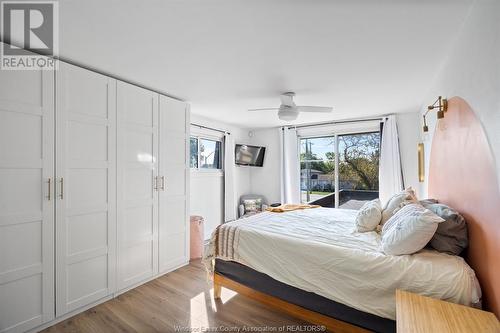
182,298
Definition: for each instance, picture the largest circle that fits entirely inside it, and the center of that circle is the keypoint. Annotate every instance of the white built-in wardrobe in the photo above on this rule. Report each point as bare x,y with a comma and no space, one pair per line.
93,191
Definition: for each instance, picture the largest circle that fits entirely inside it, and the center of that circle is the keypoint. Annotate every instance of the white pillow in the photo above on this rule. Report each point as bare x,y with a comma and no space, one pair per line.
396,202
369,215
409,230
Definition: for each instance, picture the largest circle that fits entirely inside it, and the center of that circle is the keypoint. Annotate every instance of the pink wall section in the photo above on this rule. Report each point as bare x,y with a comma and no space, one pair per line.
463,175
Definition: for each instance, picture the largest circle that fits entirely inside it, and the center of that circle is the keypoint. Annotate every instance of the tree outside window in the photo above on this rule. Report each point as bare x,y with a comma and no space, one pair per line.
205,153
357,168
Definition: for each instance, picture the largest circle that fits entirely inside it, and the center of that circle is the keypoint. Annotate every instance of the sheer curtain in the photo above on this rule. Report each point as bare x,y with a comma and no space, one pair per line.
290,166
390,173
229,182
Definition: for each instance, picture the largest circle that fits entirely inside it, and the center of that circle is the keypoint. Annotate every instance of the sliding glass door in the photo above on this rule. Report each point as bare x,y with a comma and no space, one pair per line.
346,179
358,168
317,168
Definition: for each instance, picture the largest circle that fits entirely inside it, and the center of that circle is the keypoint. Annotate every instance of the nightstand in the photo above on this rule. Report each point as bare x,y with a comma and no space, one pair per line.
420,314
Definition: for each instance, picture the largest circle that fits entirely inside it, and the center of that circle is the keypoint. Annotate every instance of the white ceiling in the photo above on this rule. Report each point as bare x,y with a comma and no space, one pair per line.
361,57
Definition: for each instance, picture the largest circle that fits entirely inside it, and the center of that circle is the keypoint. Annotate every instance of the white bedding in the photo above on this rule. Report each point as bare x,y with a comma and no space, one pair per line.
318,250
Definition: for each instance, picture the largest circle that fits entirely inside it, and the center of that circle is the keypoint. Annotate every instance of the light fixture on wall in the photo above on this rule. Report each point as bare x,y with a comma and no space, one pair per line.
441,105
421,162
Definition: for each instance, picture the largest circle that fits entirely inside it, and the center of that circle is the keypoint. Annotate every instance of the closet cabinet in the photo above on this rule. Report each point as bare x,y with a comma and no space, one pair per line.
86,187
93,191
26,199
137,192
153,146
173,183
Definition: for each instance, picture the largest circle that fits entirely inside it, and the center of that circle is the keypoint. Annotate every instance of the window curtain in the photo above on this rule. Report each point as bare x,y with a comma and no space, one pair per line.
290,166
390,173
229,179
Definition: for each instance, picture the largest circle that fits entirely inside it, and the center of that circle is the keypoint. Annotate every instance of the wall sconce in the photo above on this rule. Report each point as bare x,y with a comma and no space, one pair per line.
441,105
421,163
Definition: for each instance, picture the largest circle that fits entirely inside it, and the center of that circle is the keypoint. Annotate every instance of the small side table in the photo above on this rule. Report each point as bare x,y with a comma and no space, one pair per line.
420,314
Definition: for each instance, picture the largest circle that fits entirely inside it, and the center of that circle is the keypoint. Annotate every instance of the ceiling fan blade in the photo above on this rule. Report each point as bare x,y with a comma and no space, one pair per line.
264,109
287,99
314,109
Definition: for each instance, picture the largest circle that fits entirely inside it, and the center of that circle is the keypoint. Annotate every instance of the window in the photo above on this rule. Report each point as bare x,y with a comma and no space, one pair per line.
205,153
358,161
317,168
356,169
210,156
193,157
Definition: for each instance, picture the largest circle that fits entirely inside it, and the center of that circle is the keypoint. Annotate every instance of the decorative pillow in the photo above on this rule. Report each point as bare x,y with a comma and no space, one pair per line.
451,235
252,205
428,202
369,215
396,202
409,230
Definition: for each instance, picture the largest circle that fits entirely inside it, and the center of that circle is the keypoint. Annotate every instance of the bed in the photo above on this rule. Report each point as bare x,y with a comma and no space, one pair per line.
314,260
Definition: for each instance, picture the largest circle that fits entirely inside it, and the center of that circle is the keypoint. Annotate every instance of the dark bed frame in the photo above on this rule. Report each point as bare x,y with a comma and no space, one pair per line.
302,304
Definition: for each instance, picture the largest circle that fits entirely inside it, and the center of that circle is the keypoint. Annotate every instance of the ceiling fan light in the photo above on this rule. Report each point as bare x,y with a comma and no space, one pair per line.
287,114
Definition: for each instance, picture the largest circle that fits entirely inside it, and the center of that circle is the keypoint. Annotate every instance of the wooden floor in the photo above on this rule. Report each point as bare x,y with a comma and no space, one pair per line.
180,301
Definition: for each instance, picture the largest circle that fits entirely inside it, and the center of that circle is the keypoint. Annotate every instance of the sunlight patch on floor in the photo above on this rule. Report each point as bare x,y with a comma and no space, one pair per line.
198,310
204,302
226,295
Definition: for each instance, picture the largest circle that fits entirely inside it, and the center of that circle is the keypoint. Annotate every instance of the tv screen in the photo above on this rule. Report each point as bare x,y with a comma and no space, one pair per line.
249,155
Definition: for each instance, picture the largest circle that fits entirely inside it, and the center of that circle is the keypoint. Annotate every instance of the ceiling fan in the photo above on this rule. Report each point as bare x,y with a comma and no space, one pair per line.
289,111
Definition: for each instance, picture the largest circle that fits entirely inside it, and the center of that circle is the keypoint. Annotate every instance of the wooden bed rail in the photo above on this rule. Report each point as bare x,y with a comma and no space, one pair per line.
331,324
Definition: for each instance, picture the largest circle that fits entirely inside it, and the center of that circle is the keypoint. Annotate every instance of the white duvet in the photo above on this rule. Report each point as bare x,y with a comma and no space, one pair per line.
318,250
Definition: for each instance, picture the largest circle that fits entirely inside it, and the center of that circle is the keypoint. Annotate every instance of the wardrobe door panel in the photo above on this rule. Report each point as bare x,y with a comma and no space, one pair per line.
87,141
26,210
138,224
137,195
24,309
89,275
84,98
86,187
13,143
173,188
87,231
137,262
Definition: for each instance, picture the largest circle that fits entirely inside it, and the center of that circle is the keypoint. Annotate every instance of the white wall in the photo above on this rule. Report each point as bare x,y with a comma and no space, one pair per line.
207,187
472,72
409,137
207,190
266,180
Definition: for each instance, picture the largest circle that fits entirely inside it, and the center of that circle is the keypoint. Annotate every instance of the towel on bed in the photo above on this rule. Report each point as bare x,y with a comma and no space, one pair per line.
290,208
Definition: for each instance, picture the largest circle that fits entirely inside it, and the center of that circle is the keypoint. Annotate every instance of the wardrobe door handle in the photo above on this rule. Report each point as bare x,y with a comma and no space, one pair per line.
163,183
61,196
155,183
49,194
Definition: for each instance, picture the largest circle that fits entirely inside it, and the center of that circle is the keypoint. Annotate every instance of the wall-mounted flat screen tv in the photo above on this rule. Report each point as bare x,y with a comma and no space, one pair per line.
249,155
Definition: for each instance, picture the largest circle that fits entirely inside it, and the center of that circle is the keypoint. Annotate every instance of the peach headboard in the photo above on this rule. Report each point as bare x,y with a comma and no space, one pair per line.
462,175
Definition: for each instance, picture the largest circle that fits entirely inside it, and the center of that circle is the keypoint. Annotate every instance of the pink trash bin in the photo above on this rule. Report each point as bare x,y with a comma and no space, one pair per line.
196,241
